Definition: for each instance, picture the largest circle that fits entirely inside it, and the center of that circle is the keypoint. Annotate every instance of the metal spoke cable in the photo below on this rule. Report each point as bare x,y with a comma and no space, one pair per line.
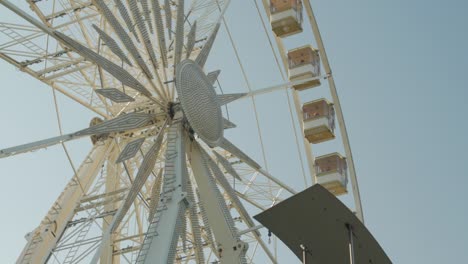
253,99
244,74
59,122
64,6
280,69
339,112
101,77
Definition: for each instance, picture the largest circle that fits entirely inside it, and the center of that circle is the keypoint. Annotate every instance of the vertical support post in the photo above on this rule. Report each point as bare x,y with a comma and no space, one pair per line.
305,251
229,246
166,227
303,254
45,237
112,184
351,244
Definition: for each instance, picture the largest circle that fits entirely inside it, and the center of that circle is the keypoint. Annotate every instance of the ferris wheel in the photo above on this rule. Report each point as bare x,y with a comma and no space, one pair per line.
162,183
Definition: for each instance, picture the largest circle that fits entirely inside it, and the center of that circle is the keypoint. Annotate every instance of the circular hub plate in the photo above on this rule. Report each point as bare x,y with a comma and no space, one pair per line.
199,102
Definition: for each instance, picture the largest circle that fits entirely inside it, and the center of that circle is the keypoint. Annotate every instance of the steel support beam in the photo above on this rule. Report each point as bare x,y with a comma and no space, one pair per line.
230,249
166,226
112,184
44,238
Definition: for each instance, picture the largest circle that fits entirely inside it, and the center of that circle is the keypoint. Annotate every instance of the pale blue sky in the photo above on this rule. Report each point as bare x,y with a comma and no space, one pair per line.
400,71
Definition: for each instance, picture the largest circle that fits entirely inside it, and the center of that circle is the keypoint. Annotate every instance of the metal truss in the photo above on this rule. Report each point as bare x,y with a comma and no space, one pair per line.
152,192
31,50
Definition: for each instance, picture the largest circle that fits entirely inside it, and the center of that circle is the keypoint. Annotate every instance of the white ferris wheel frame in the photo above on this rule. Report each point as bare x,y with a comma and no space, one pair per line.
88,172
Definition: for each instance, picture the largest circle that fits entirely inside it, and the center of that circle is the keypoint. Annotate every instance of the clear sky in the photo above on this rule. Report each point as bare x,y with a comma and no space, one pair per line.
399,67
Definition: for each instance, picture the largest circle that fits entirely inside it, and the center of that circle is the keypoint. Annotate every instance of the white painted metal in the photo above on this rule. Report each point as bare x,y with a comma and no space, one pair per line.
281,86
44,238
179,40
230,249
339,111
78,78
35,145
124,122
112,184
26,16
164,230
296,100
199,101
336,102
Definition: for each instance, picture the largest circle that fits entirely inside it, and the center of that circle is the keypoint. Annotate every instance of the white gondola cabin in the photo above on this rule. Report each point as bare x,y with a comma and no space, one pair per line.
286,17
318,121
331,173
304,63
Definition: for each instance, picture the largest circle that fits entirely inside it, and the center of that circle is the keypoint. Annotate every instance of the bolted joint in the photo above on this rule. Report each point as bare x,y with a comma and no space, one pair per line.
240,247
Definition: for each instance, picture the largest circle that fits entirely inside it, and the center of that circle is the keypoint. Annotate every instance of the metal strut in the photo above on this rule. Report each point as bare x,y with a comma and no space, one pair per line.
160,243
230,249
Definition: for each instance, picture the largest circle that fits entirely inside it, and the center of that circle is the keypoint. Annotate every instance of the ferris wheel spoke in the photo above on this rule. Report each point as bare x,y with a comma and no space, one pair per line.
204,187
219,175
116,71
126,40
125,122
58,79
146,14
137,17
227,166
160,31
203,55
260,188
112,44
145,169
126,17
36,145
228,124
213,76
180,32
191,39
130,46
282,86
251,201
224,99
130,150
121,123
168,13
144,172
115,95
231,148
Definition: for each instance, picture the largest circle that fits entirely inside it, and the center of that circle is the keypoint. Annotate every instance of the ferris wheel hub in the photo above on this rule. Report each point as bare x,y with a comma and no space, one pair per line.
199,102
99,137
